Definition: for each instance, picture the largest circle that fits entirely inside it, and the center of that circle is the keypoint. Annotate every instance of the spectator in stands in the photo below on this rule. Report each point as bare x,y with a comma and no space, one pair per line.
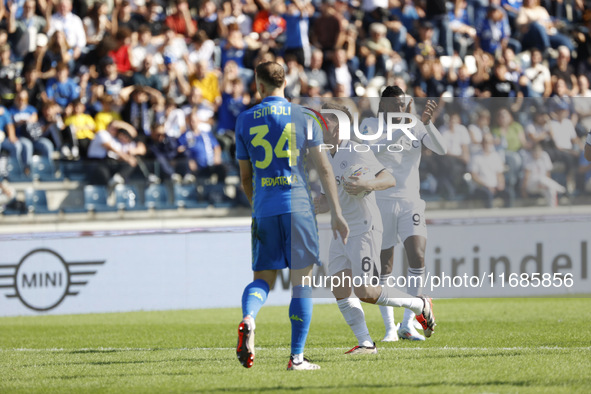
55,130
113,153
110,83
155,18
209,19
207,81
107,114
494,33
97,23
538,131
537,28
564,70
141,110
328,28
486,169
538,76
121,54
233,13
537,179
297,24
164,149
124,17
82,127
453,164
33,85
174,119
315,72
341,74
10,75
62,89
436,13
377,52
180,20
175,48
174,82
28,129
26,28
478,130
202,48
145,76
203,149
234,101
234,49
71,25
58,51
510,139
204,109
145,46
10,143
565,142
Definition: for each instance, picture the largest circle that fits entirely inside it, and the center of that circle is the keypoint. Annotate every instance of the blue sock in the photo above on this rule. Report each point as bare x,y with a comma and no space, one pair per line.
253,298
300,315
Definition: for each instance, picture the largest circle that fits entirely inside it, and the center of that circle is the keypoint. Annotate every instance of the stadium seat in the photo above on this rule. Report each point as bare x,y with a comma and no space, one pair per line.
77,170
14,171
126,197
186,196
43,170
36,201
216,195
95,199
156,197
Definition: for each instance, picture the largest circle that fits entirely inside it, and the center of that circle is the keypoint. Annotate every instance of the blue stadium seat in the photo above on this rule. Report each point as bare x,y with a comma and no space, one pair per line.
15,173
156,196
95,199
43,170
36,201
185,196
126,197
216,196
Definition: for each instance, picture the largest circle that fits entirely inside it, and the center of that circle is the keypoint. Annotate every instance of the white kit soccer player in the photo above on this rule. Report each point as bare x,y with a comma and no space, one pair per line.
359,258
402,209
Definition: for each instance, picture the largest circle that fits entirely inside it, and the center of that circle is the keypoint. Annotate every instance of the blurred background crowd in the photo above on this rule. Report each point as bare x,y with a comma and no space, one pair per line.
134,89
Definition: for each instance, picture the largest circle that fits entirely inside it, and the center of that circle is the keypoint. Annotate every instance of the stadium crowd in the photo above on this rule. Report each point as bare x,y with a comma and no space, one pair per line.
154,88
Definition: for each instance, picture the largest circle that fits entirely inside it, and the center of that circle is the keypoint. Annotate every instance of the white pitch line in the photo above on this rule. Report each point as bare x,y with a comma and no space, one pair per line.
448,348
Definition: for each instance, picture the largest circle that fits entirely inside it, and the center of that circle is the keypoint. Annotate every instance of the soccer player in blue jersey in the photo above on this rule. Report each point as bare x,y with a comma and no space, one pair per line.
271,143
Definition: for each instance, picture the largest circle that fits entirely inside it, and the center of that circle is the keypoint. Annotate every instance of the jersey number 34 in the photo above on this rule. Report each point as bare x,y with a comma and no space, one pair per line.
285,148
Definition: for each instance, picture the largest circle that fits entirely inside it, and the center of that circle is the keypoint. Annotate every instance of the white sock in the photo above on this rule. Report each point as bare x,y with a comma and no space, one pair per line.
387,311
394,297
414,281
355,318
298,358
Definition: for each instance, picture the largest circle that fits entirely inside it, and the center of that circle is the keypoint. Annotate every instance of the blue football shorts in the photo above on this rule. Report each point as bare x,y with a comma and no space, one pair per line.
285,241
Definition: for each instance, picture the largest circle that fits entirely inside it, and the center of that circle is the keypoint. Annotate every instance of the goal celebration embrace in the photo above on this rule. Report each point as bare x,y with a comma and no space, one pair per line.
348,178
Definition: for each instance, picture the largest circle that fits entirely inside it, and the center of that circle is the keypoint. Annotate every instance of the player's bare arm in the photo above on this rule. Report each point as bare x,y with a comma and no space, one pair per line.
246,178
321,204
338,223
383,180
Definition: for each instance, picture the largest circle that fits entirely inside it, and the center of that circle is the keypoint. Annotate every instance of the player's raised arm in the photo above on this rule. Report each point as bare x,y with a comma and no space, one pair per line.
338,223
433,140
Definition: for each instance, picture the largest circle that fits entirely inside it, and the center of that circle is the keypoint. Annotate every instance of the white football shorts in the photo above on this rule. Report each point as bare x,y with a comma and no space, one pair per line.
401,219
361,255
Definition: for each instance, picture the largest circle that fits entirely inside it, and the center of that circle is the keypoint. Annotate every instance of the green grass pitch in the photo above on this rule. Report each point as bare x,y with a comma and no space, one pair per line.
480,345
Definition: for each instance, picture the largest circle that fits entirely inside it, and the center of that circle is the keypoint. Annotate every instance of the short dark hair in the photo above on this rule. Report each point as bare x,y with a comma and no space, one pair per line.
271,73
392,91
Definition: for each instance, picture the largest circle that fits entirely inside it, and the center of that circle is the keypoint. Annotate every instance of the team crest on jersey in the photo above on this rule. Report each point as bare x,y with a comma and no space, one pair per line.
343,164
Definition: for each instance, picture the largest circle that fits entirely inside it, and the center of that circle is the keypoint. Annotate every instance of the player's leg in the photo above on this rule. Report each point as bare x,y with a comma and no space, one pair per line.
300,241
350,306
389,236
413,230
267,258
390,296
415,252
387,263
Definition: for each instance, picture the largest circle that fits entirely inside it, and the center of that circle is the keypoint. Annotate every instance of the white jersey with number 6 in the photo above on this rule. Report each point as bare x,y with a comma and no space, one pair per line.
361,214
